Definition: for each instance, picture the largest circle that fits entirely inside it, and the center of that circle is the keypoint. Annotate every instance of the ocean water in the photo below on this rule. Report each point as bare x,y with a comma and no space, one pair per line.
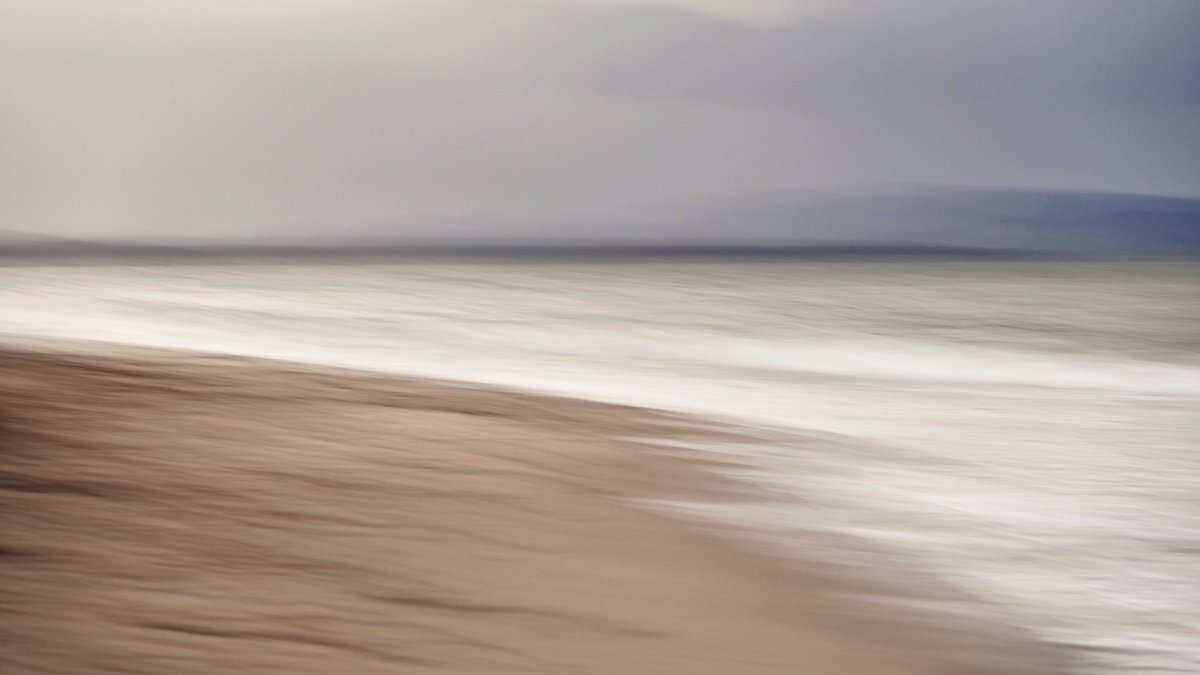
1027,434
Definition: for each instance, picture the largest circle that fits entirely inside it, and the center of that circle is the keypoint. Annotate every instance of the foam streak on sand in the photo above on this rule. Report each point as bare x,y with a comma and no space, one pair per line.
189,514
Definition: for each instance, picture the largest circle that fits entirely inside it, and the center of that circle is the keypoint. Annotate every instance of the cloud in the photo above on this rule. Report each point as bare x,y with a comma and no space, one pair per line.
405,118
757,12
1085,52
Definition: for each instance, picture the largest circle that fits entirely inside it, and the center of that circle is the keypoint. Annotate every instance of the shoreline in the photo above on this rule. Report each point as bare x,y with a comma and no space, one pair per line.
190,513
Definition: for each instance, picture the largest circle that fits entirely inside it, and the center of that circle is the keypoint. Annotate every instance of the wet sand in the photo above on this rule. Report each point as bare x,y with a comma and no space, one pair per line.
166,513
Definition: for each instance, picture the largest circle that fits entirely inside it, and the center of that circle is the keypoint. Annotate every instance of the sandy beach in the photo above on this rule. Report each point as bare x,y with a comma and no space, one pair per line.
176,513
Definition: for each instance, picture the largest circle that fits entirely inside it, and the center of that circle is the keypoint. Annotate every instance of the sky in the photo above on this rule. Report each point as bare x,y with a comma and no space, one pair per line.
257,119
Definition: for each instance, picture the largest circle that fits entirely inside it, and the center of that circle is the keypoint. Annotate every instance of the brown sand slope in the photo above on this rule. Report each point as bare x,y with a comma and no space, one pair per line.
180,514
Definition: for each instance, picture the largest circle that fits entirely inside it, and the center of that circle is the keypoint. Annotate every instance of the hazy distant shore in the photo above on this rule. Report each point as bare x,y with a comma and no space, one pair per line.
85,252
284,255
191,514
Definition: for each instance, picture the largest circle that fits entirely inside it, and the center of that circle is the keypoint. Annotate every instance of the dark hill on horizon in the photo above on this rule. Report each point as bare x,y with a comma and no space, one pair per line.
931,223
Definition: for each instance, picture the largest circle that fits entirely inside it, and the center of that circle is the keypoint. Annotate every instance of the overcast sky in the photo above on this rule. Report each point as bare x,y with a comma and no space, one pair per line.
256,118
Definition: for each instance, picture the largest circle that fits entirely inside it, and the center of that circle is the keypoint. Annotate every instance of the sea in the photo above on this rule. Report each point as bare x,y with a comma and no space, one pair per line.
1025,433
